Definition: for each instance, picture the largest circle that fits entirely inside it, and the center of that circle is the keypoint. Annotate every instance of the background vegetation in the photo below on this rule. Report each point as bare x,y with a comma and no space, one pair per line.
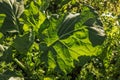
59,39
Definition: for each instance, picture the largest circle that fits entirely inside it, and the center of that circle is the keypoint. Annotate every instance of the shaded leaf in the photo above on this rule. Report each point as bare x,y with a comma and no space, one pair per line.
23,43
96,35
67,25
13,10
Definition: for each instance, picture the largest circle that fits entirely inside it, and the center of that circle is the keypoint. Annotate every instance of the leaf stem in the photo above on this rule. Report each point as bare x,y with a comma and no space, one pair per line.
20,64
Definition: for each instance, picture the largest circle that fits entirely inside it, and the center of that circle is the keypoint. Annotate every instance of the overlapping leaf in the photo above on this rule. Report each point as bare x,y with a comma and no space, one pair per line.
13,10
62,44
33,17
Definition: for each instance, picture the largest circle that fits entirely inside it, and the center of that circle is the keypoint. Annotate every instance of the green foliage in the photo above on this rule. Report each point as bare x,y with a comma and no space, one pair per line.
13,10
23,43
70,36
58,40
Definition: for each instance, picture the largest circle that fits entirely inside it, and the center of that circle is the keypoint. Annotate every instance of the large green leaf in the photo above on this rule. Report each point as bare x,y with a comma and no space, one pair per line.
13,10
62,44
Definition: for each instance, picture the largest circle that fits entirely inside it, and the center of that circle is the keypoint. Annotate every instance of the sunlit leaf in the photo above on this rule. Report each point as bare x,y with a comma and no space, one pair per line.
68,38
33,18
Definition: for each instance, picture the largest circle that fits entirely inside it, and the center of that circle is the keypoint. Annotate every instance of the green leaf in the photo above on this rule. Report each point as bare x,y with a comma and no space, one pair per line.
13,10
43,4
67,25
62,44
96,35
33,18
2,17
1,36
23,43
1,48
